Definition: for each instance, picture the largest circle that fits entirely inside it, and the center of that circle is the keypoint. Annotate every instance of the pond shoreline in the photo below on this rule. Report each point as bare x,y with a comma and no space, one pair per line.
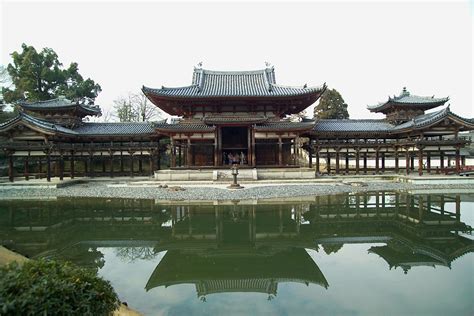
219,192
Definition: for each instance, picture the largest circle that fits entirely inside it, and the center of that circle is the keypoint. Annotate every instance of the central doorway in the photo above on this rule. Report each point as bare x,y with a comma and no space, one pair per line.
235,145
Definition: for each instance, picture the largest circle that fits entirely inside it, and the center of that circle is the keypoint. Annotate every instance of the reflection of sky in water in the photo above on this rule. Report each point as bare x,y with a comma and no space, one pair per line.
359,283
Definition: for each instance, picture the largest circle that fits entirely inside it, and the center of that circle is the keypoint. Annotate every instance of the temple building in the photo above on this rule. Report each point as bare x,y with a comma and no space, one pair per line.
234,117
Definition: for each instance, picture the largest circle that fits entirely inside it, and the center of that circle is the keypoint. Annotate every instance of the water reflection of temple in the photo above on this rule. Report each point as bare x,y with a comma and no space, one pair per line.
237,246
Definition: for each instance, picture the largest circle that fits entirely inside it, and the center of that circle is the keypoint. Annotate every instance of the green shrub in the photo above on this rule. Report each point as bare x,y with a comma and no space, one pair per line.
44,287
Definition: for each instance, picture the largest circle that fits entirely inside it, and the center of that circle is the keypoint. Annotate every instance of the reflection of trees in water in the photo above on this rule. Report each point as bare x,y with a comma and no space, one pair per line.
131,254
83,255
332,248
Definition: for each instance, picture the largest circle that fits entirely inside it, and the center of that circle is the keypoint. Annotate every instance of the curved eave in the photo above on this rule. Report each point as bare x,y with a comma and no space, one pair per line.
20,119
165,102
468,124
82,108
394,104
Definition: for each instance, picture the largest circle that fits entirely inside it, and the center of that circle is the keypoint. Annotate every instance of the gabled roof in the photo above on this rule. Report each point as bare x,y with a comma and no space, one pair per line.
348,125
405,99
428,119
60,104
44,126
256,83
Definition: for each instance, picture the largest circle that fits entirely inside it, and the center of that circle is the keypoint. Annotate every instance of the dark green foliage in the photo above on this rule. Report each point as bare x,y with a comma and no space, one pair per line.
331,106
44,287
40,76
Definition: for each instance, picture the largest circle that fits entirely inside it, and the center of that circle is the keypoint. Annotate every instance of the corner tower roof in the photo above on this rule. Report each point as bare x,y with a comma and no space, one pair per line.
407,100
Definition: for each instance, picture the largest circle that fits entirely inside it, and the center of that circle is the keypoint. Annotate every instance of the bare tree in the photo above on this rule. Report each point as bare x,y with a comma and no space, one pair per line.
124,110
135,108
145,110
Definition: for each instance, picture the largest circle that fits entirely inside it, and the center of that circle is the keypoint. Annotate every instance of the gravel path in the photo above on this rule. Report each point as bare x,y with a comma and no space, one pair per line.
196,192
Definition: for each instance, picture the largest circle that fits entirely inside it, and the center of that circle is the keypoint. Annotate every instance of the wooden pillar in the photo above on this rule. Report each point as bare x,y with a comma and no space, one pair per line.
111,153
357,160
420,161
102,162
337,161
86,170
91,164
396,160
412,161
189,158
280,151
72,164
152,162
254,157
26,173
458,162
310,155
347,162
216,148
158,159
318,167
328,163
407,161
428,162
383,161
173,154
121,161
48,166
10,167
140,163
365,162
377,158
61,166
180,157
40,166
131,163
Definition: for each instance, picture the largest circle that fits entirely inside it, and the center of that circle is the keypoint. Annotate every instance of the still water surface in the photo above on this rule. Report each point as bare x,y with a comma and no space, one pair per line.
374,253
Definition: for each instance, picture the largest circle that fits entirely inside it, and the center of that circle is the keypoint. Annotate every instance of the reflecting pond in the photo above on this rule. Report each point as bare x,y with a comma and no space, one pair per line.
372,253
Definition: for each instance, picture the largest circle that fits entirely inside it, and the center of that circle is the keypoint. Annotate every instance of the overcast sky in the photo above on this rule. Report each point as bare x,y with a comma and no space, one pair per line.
365,50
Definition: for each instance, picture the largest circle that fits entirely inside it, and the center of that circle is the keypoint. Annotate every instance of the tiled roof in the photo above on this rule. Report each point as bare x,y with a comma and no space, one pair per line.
405,98
123,128
430,118
341,126
60,103
30,120
257,83
284,125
